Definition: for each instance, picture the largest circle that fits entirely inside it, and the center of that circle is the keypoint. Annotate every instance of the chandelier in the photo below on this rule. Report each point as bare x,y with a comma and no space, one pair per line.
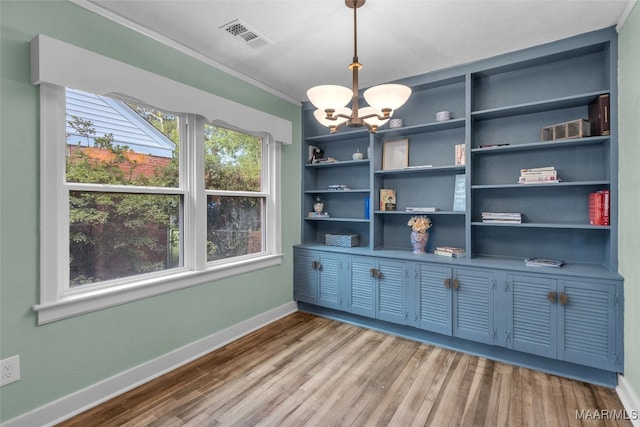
331,100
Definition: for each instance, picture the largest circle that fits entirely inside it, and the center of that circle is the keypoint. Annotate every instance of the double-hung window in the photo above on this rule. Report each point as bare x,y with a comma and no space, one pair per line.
137,200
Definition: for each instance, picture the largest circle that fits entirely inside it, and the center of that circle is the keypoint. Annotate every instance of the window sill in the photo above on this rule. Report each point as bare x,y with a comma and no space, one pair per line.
98,299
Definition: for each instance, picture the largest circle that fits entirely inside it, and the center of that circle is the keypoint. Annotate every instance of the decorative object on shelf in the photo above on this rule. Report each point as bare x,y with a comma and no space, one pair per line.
318,206
459,194
599,207
315,154
368,151
338,187
357,155
346,240
441,116
573,129
419,235
367,208
387,199
599,115
543,175
395,154
395,123
331,100
450,251
459,154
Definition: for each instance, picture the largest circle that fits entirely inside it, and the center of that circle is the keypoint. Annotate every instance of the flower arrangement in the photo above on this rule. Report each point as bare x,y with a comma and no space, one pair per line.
419,224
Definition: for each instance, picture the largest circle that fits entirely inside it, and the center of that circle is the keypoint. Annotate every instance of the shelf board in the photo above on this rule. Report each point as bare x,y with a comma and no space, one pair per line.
537,107
419,213
339,136
336,219
543,225
556,185
542,145
358,190
420,169
422,128
337,164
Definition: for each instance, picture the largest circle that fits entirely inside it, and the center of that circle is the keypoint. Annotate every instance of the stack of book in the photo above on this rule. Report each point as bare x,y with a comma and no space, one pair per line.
599,207
449,251
544,175
541,262
506,217
421,209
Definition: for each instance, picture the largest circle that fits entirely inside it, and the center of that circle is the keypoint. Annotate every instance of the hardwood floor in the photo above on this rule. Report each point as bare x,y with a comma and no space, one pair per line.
305,370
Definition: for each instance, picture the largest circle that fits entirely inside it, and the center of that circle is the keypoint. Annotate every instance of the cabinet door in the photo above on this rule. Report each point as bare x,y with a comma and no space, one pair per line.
362,286
434,298
305,288
587,324
392,282
473,292
531,315
329,283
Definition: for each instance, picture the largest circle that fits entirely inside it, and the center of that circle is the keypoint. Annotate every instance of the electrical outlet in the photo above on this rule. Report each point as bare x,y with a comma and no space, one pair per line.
9,370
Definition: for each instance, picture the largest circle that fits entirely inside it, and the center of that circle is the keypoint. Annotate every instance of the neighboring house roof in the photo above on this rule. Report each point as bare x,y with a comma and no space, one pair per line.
111,116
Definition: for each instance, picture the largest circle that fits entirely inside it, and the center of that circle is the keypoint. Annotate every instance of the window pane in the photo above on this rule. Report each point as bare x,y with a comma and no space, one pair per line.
118,235
233,160
234,226
113,142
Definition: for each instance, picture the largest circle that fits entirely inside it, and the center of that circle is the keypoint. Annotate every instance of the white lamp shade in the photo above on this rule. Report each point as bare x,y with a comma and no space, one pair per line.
391,96
321,116
329,96
373,121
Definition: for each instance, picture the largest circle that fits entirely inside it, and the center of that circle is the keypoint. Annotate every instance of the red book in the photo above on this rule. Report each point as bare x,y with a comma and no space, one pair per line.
606,202
595,208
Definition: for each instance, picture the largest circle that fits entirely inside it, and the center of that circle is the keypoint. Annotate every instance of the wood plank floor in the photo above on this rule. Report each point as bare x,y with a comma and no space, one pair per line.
305,370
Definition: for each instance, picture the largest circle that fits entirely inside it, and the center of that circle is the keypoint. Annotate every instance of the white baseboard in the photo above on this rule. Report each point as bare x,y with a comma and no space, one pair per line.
629,400
75,403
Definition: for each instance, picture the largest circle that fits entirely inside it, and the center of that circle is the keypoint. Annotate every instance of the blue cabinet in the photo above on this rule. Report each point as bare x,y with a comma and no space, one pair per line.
362,285
319,278
573,320
433,298
392,290
473,309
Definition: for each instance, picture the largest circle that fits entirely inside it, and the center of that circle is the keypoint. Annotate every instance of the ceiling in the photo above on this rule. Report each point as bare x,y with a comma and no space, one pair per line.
310,42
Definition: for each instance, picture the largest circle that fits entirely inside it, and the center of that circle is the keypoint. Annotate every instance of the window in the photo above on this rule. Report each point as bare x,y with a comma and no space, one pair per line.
129,191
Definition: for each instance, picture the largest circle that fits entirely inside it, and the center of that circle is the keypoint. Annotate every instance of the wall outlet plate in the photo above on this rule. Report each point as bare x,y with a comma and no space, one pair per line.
9,370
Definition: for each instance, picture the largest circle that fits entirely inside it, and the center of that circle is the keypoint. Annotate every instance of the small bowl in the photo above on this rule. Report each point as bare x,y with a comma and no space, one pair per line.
443,115
395,123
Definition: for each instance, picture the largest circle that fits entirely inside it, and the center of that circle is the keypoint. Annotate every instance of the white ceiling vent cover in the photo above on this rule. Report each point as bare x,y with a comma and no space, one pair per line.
246,34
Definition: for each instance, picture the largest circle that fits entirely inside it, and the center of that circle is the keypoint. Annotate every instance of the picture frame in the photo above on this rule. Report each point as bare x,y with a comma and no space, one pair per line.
395,154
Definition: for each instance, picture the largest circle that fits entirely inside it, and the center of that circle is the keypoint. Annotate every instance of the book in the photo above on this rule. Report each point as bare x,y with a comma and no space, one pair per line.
450,249
387,199
422,209
459,194
542,262
449,254
599,115
504,217
542,175
542,169
318,215
460,154
599,206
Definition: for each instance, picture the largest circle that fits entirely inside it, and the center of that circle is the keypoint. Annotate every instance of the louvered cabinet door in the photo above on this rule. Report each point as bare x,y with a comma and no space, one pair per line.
473,304
392,284
362,286
305,288
329,291
531,315
587,324
434,298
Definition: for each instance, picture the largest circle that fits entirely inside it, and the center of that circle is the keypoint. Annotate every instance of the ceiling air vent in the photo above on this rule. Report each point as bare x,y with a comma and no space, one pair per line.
245,34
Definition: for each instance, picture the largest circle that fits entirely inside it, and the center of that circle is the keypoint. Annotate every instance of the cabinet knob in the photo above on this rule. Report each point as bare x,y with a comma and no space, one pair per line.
551,296
372,272
447,283
564,298
456,284
378,274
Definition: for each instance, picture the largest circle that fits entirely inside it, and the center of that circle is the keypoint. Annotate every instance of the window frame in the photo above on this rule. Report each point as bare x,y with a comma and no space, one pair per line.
58,301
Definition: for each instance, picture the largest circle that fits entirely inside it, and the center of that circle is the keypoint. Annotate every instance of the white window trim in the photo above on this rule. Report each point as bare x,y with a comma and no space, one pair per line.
59,302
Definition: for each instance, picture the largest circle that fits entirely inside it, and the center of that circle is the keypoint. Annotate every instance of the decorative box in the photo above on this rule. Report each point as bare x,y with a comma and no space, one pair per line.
574,129
342,239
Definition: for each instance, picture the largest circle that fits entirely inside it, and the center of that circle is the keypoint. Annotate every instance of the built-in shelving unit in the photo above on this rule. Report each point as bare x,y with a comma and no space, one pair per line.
498,109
